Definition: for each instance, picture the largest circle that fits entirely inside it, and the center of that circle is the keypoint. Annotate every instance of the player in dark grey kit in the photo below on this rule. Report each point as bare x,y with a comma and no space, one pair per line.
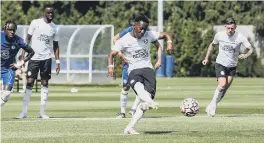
229,42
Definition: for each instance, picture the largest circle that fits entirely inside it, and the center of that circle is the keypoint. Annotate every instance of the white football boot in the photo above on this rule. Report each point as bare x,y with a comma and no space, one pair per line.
22,115
130,131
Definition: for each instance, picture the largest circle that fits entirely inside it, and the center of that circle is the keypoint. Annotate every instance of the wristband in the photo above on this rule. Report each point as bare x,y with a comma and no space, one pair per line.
57,61
169,41
110,66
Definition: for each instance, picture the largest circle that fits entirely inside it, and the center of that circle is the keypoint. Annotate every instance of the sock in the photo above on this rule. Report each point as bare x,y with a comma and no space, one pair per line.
143,94
26,98
223,94
138,115
5,97
123,100
136,103
217,95
43,99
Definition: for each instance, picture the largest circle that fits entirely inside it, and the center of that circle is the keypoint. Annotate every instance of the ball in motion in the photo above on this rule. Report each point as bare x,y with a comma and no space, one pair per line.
189,107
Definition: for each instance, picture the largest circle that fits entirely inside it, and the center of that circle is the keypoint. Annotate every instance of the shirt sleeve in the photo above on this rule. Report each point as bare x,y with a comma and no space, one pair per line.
21,43
245,42
32,27
56,35
125,31
118,46
154,36
215,40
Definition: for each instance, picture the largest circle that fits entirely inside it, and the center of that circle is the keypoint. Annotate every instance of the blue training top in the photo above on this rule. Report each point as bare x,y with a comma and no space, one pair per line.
9,50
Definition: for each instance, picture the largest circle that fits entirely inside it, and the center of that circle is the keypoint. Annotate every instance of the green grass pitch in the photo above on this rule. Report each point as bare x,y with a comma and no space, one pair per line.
88,116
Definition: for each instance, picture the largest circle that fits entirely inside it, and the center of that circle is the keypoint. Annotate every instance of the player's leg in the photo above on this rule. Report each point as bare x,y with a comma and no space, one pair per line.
221,74
24,80
45,74
33,69
230,74
135,105
144,85
124,92
8,82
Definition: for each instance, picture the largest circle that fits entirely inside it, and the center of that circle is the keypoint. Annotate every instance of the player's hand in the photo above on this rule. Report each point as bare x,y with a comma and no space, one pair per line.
170,48
205,61
242,56
111,73
57,68
158,64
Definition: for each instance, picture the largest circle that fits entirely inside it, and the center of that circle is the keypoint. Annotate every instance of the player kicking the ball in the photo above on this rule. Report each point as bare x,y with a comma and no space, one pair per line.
135,47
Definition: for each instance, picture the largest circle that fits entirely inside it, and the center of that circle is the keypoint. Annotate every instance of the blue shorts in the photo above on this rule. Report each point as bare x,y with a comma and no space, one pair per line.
125,75
8,78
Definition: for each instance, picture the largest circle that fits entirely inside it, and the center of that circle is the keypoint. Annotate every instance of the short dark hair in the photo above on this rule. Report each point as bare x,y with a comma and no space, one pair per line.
9,22
142,18
48,6
230,20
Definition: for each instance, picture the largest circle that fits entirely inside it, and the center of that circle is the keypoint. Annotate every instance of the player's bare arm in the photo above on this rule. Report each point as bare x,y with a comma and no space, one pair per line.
57,56
208,54
111,55
245,56
159,49
168,37
116,37
30,54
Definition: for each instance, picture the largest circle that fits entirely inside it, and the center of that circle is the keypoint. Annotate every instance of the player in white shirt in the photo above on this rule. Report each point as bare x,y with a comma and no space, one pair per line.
126,87
229,42
135,47
43,35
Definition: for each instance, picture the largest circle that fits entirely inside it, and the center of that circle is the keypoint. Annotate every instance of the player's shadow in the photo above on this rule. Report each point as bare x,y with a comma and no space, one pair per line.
159,132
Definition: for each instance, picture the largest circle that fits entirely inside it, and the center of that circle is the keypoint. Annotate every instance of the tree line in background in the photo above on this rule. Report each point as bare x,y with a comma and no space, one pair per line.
190,22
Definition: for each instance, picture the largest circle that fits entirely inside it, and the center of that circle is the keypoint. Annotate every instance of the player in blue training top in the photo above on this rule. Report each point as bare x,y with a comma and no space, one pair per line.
10,45
126,87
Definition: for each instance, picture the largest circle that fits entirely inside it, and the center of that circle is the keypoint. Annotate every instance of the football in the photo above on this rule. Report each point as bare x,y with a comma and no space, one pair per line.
189,107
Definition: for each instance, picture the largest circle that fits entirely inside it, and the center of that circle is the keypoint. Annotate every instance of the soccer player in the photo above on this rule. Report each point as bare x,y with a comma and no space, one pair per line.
10,45
43,35
135,47
126,87
229,42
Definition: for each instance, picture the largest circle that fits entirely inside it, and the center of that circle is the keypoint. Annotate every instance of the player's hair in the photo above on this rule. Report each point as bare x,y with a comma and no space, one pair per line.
48,6
142,18
230,20
9,22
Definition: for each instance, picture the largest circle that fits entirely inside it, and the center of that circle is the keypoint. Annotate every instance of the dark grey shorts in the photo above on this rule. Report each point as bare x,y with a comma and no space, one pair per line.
146,76
222,71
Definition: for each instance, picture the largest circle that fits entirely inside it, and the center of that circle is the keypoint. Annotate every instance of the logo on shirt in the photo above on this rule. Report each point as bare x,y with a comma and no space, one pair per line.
44,38
228,48
5,54
140,54
13,47
146,41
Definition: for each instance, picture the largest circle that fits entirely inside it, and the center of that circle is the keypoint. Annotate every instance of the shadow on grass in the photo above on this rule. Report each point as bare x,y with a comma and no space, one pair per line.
159,132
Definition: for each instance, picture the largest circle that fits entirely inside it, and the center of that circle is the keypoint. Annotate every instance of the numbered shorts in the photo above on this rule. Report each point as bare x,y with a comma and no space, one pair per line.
8,77
42,66
146,76
222,71
125,75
